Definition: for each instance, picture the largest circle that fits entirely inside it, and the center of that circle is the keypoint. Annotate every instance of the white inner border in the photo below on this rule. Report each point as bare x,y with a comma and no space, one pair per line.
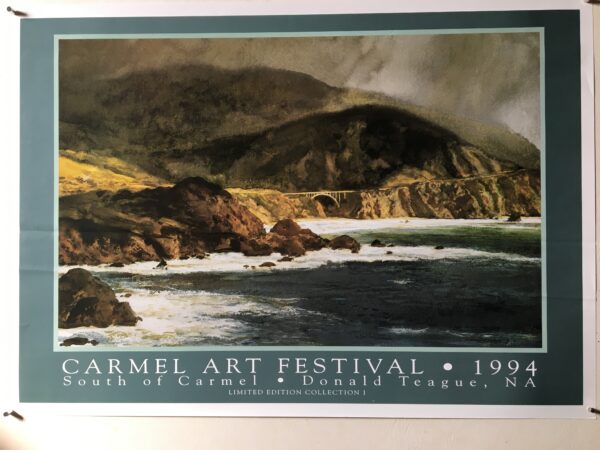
355,348
9,378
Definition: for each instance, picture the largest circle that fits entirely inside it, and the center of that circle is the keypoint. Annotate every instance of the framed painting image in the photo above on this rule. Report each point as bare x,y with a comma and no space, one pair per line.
353,212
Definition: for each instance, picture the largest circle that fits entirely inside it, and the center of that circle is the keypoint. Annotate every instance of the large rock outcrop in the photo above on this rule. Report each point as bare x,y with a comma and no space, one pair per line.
186,220
289,239
86,301
286,237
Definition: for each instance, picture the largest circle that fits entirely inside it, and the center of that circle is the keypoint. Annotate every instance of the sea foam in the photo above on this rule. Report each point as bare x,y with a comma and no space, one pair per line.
236,262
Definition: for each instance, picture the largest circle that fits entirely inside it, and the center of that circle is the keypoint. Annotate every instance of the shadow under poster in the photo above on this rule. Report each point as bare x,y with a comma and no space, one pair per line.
374,214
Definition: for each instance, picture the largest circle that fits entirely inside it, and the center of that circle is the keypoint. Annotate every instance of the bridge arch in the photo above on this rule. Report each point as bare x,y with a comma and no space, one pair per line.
326,200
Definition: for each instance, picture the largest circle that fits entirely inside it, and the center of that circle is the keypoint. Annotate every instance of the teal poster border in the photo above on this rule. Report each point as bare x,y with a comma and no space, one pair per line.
559,370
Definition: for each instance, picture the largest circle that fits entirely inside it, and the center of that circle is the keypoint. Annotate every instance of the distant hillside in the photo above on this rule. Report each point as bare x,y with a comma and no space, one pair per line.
276,129
362,147
182,107
499,142
84,172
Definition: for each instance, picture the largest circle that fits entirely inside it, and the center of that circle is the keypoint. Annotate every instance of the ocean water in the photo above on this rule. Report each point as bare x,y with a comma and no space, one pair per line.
482,289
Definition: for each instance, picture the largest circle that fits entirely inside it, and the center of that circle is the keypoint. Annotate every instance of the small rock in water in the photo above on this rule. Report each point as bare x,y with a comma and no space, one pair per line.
514,217
285,259
389,253
377,243
246,266
77,340
117,264
253,267
267,264
162,264
439,247
345,242
128,294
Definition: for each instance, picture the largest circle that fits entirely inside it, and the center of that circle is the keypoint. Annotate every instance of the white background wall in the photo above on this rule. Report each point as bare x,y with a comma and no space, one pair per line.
50,431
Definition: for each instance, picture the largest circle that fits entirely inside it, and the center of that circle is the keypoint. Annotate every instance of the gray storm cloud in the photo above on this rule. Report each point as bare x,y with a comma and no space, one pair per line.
488,77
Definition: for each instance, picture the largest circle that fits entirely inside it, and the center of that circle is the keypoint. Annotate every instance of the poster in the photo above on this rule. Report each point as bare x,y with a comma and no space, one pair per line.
374,214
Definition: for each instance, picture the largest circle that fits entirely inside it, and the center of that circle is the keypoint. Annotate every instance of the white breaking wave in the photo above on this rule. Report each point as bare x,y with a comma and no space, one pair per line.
175,318
235,262
466,336
408,331
337,226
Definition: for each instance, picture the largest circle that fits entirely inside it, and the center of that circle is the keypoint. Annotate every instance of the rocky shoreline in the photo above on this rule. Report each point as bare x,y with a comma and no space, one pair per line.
194,218
190,219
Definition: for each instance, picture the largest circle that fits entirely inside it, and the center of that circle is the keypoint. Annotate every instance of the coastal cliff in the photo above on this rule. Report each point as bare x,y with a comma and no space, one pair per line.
476,198
469,198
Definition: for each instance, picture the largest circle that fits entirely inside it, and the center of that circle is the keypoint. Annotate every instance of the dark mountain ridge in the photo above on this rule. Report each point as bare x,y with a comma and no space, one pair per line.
357,148
176,109
183,106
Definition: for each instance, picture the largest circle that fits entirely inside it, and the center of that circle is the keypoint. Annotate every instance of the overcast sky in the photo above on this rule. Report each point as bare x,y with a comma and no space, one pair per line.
489,77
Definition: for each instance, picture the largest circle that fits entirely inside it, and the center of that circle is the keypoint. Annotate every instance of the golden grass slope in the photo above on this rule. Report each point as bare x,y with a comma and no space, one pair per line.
83,172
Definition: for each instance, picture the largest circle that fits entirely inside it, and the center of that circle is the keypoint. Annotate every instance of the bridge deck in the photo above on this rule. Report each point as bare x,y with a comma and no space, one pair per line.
319,192
335,193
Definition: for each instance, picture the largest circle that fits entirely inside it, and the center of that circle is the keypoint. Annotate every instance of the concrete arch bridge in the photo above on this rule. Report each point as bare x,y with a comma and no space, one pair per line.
324,197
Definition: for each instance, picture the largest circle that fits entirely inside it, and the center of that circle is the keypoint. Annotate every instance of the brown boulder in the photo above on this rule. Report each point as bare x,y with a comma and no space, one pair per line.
77,340
253,247
312,241
286,227
84,301
162,264
289,246
344,242
268,264
289,239
292,247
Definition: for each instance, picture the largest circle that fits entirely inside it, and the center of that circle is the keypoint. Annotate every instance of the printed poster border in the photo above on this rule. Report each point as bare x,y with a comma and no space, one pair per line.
239,408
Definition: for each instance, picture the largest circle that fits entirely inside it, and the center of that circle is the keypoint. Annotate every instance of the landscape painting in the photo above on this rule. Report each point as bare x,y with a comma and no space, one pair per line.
339,191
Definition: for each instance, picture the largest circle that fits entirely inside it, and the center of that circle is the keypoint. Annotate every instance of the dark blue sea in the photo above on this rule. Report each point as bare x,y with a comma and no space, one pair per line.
435,283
